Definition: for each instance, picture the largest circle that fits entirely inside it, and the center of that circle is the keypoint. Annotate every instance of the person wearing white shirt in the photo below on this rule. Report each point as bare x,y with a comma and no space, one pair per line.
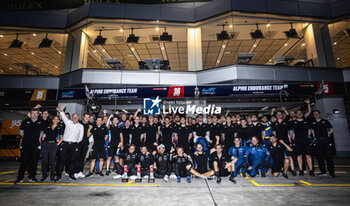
69,155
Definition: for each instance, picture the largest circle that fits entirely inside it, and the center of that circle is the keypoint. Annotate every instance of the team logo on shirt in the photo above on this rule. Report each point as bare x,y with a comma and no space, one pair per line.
151,106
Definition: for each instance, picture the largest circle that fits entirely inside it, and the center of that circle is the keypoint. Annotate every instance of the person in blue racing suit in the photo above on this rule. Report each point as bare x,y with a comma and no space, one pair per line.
257,158
238,151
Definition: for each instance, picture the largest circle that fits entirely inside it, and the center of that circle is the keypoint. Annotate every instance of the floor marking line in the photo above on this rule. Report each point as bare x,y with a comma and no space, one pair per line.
81,184
306,183
10,180
128,183
211,194
336,166
8,172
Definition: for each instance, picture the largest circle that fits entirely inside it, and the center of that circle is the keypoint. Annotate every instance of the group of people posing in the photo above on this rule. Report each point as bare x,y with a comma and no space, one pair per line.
175,146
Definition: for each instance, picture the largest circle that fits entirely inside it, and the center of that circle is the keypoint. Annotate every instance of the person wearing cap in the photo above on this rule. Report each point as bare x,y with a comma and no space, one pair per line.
162,164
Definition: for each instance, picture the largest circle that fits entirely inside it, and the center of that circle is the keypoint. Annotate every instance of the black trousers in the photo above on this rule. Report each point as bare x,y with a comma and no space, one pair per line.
132,170
83,148
29,161
160,173
324,152
69,156
180,170
48,157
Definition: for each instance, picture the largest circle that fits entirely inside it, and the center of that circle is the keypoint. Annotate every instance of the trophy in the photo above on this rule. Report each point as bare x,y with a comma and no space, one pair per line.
138,178
125,175
151,175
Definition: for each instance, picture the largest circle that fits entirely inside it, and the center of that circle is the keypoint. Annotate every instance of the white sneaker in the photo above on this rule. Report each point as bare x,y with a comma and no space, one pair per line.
118,176
146,176
166,178
81,174
76,175
133,177
173,176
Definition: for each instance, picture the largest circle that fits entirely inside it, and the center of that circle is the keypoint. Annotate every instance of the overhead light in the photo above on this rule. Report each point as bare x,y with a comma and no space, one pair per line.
306,24
285,44
335,43
254,45
32,53
162,48
257,34
59,52
5,54
10,68
132,38
303,44
338,58
292,33
268,25
121,30
1,36
336,111
34,34
223,46
165,36
46,42
132,49
99,39
103,50
231,26
56,66
95,50
16,43
223,35
157,28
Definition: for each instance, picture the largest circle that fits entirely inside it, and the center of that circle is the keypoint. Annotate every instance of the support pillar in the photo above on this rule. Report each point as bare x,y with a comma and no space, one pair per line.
194,49
318,45
77,51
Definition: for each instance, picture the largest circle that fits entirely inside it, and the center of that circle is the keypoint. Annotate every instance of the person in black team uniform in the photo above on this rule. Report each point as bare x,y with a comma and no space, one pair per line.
229,130
51,138
115,141
300,132
166,132
100,134
183,135
83,146
128,139
215,131
256,129
162,165
322,130
138,133
280,130
182,164
30,131
201,133
222,164
130,158
151,131
146,159
244,133
201,163
279,159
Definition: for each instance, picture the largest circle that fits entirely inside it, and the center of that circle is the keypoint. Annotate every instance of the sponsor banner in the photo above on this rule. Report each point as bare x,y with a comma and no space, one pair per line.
327,88
189,91
39,95
28,94
67,4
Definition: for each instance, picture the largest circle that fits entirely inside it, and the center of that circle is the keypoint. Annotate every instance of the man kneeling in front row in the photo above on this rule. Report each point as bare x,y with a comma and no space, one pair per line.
223,166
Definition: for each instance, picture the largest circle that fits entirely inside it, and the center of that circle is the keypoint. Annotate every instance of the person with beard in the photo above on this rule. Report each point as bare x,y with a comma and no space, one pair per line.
166,133
256,128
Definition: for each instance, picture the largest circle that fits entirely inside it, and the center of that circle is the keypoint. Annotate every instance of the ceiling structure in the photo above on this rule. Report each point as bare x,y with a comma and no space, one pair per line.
50,61
30,59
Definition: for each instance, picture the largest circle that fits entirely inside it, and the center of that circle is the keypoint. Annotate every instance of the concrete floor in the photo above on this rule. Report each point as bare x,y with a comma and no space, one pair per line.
297,190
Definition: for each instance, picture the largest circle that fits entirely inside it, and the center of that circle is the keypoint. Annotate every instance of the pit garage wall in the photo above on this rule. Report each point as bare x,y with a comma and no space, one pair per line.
339,121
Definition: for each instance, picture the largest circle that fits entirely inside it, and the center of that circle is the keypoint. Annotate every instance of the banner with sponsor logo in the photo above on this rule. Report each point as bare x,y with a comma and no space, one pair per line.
189,91
28,94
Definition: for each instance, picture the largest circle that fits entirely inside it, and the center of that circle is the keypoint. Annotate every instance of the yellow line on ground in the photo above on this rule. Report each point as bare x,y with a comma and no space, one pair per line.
128,183
8,172
10,180
304,182
330,185
336,165
83,184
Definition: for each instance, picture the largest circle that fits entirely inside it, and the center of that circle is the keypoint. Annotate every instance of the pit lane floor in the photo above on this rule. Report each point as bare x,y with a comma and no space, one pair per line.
299,190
